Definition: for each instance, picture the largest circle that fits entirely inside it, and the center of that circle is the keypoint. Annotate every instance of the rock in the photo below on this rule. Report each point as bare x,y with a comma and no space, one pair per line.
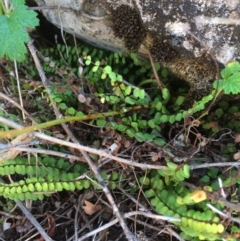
188,37
193,25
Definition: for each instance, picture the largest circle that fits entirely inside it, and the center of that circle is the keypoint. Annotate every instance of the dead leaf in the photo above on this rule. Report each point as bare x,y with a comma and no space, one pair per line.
237,156
156,156
90,208
114,148
51,229
81,98
237,137
11,153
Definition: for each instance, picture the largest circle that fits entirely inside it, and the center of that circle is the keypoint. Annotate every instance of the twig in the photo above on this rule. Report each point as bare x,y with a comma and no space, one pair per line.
109,224
11,216
237,220
160,85
50,152
209,165
19,88
101,153
32,219
18,106
134,200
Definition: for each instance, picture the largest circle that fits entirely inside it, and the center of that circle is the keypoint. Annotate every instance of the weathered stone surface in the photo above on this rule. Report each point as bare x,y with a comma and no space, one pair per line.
185,36
76,17
215,23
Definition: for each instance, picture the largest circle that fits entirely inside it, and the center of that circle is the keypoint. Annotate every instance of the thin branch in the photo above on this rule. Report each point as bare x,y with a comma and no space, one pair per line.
160,85
52,153
101,153
237,220
218,164
134,213
18,106
19,88
33,220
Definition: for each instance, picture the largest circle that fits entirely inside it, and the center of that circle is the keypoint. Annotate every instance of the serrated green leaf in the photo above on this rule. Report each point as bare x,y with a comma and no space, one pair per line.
231,68
232,84
13,33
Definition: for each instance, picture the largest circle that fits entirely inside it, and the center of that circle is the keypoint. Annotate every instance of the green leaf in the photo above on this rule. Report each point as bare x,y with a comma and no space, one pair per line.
121,127
136,92
232,84
180,100
159,142
205,179
62,106
95,69
57,99
130,133
128,90
104,75
108,69
219,112
130,100
158,106
140,136
164,73
178,117
13,33
112,76
164,118
230,69
80,114
119,78
101,123
165,94
134,125
71,111
144,180
151,124
172,119
233,109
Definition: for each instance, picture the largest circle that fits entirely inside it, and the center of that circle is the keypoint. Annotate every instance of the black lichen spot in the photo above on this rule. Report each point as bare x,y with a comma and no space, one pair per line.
162,51
127,25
